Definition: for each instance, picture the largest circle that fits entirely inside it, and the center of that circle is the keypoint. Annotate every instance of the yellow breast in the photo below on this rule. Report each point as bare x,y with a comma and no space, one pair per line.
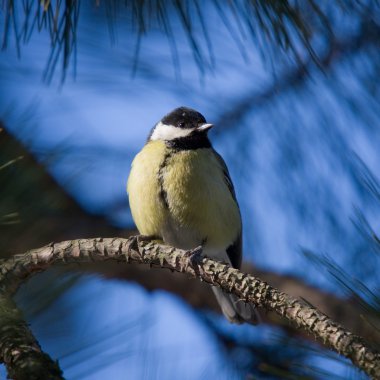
199,198
185,191
143,188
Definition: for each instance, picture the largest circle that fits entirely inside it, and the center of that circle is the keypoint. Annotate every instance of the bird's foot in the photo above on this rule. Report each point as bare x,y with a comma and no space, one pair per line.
147,238
195,256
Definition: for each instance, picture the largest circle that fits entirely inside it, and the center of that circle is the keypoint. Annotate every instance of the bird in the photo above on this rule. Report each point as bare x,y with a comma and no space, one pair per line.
180,191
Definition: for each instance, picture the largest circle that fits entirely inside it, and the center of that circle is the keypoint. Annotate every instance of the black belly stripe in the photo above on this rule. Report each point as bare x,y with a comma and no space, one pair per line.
162,193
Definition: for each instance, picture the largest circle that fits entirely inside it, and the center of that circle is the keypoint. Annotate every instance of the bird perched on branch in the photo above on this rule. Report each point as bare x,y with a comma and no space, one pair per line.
181,192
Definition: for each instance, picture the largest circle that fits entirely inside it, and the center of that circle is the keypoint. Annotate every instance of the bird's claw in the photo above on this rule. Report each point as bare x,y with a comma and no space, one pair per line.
142,238
195,256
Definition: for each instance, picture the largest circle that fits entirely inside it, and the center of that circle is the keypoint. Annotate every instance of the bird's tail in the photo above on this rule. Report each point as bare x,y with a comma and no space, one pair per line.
234,309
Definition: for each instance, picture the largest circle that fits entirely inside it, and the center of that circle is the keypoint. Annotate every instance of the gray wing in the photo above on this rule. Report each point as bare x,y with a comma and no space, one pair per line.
234,251
227,177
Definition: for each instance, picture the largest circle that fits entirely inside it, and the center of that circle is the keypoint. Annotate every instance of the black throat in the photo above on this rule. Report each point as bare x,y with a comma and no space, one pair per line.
195,141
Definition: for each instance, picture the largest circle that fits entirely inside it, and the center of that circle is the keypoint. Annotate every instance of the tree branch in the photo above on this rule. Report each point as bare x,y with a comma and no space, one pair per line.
19,350
199,295
247,287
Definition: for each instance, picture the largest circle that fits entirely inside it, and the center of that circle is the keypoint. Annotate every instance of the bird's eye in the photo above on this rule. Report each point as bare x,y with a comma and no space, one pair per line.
181,124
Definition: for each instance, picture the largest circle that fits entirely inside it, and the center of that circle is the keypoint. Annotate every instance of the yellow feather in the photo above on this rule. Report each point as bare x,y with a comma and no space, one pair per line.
197,195
143,189
199,198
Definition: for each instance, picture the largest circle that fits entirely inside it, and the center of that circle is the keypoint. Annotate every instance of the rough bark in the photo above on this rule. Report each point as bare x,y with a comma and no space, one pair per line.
247,287
19,350
345,311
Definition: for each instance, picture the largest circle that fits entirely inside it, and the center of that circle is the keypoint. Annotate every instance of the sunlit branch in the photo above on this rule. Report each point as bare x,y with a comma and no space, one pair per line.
343,310
247,287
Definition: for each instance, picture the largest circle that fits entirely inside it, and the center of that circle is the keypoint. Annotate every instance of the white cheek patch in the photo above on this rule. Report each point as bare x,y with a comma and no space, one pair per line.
169,132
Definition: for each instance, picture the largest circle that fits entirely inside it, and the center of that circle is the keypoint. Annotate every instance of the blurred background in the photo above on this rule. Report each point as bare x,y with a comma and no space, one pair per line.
293,88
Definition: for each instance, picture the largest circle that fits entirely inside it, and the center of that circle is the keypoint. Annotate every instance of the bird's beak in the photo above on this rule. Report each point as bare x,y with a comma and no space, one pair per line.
204,127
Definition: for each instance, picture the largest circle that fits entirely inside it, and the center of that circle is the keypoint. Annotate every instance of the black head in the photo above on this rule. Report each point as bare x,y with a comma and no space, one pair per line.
184,117
183,128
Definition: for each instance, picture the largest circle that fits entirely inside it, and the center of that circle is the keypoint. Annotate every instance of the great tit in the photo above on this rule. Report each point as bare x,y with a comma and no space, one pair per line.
180,191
